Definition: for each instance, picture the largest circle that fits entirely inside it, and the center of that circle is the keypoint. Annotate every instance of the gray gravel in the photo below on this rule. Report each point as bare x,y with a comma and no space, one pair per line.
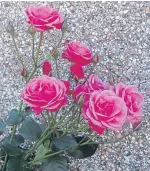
119,32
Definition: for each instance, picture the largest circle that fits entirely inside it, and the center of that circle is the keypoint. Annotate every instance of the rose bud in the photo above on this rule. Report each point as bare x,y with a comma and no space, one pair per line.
31,30
55,53
47,68
24,72
10,28
66,42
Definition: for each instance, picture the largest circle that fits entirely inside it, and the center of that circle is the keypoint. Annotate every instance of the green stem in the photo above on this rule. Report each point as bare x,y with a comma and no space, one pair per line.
52,53
40,141
87,142
17,51
38,48
34,161
33,37
5,162
32,73
37,145
56,67
44,118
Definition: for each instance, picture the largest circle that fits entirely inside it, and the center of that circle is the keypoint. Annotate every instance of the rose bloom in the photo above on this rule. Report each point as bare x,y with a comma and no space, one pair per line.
92,83
105,110
45,93
77,53
44,18
133,99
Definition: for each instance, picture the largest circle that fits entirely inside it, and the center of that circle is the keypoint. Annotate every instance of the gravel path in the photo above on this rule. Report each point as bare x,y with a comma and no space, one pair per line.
119,32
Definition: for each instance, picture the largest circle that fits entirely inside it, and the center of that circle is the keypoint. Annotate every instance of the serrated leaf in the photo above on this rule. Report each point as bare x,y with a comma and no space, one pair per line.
55,163
2,126
41,151
14,118
30,130
11,149
17,140
64,142
27,111
17,164
81,152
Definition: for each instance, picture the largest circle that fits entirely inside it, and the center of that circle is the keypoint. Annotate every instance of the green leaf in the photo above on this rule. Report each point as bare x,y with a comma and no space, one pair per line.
17,164
30,130
11,149
46,144
55,163
14,118
81,152
41,151
64,142
17,140
2,154
27,111
2,126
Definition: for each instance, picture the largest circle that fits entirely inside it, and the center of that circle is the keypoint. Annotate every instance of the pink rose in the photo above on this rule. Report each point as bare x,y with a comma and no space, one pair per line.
77,53
92,83
45,93
47,68
77,71
133,99
105,110
44,18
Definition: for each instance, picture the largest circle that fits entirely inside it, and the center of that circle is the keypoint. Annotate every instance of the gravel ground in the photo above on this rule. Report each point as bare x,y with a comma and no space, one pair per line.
119,32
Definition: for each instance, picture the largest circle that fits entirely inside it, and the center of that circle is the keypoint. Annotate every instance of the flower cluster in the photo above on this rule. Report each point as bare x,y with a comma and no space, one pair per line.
103,105
109,106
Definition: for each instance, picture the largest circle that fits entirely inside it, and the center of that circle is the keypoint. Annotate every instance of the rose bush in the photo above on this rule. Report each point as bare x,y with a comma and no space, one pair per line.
45,93
44,18
85,102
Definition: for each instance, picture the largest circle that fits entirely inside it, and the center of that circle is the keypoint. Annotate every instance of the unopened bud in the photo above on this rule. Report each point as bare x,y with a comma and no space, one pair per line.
81,100
47,68
10,28
95,59
111,80
55,53
31,29
24,72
